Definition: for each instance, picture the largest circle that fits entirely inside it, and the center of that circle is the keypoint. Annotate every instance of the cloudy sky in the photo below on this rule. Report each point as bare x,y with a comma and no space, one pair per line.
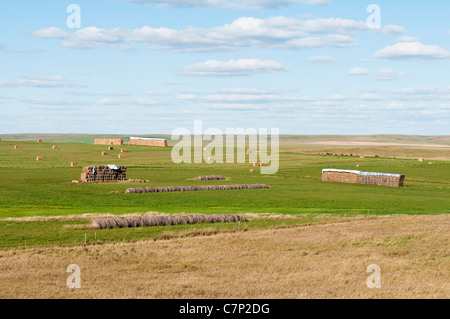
151,66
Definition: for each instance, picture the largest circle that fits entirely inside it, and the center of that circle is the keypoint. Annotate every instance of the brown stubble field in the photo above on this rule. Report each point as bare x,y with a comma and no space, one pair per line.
324,260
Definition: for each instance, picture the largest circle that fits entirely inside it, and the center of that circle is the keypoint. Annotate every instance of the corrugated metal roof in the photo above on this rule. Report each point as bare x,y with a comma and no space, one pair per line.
362,173
148,138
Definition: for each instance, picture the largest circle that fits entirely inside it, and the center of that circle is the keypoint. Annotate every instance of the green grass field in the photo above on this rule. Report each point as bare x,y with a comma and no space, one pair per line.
32,188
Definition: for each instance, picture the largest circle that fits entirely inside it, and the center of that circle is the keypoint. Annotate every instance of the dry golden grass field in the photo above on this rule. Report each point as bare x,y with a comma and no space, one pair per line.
322,260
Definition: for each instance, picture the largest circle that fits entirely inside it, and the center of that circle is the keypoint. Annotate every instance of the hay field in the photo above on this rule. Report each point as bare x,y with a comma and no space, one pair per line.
44,188
326,260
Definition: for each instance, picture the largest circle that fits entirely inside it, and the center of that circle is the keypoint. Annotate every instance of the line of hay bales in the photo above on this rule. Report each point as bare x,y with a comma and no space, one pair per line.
151,221
211,178
193,188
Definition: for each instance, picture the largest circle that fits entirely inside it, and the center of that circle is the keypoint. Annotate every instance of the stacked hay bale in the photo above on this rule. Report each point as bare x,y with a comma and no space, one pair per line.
193,188
152,221
102,174
339,176
142,141
211,178
109,141
359,177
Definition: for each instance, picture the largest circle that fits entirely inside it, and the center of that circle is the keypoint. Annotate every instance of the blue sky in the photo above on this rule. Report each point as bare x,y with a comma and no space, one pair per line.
150,66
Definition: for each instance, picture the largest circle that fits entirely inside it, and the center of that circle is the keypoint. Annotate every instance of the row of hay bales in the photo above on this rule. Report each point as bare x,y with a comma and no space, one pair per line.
211,178
150,221
193,188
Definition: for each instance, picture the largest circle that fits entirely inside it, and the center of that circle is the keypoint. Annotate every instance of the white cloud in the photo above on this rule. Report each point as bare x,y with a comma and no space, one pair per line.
83,73
358,71
408,39
228,4
389,30
242,67
370,97
322,59
335,97
422,94
40,82
272,32
51,33
412,51
137,101
387,74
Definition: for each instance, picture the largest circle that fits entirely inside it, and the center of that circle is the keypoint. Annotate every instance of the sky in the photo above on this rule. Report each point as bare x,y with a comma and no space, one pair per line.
151,66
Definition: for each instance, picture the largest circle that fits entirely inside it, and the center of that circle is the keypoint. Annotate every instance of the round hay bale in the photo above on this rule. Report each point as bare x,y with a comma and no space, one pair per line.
228,218
97,224
148,221
196,219
164,221
174,220
170,220
182,220
138,221
111,223
157,221
241,218
128,222
215,219
120,223
189,219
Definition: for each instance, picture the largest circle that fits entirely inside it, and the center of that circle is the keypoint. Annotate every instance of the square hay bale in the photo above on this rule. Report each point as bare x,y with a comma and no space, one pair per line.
255,164
121,156
358,165
39,141
421,160
104,153
431,163
16,147
73,164
76,182
123,150
110,148
54,147
253,170
39,158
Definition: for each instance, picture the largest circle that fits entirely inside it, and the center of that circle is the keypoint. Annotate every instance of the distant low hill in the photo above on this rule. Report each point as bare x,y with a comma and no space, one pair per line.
285,139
